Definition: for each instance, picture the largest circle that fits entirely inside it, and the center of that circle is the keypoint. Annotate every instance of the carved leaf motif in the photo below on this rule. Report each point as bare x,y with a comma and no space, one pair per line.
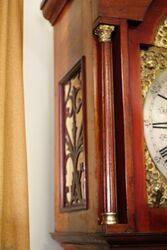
161,36
74,162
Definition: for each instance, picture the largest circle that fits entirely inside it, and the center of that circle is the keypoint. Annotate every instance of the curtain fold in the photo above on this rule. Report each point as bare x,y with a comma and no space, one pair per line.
14,228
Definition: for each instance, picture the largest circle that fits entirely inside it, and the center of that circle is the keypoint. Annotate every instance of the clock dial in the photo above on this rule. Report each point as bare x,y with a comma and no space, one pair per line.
155,122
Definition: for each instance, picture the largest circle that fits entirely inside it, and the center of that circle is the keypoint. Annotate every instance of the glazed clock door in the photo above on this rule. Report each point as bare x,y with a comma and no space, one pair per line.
148,80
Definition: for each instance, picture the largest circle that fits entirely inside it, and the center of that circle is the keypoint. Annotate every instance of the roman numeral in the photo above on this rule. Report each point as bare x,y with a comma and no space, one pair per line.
162,96
163,153
162,125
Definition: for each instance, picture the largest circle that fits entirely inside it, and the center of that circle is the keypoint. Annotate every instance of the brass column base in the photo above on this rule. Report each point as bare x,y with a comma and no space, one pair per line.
109,219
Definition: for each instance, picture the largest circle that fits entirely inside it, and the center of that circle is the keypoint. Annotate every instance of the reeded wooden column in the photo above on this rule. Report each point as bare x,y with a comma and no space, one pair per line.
109,215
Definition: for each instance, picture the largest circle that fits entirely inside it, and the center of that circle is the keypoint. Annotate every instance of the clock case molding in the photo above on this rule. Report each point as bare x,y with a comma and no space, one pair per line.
114,61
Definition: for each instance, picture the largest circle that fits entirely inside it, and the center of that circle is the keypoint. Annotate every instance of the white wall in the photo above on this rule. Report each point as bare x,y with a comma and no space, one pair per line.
39,112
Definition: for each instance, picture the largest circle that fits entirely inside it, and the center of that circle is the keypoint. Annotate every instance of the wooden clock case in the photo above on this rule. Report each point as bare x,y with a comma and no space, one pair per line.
109,34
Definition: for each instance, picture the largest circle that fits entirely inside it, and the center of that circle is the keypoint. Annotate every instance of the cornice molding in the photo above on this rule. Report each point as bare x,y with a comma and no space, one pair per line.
115,240
127,9
51,9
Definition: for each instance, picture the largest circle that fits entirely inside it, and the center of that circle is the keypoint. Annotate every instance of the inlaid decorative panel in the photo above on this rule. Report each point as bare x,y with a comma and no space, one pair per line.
153,64
73,139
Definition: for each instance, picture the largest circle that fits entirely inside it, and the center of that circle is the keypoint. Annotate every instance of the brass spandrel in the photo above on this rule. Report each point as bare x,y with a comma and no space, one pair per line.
161,36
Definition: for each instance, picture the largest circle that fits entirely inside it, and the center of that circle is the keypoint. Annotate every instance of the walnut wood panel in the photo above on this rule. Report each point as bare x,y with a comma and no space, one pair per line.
73,50
64,59
129,9
74,39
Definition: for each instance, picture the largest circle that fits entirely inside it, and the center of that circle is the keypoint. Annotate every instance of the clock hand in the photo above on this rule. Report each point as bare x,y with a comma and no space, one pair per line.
162,125
162,96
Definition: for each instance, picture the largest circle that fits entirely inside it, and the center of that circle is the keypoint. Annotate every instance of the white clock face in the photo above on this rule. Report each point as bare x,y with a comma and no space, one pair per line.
155,122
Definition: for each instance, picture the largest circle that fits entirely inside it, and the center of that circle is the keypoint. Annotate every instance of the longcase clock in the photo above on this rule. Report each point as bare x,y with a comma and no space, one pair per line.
111,123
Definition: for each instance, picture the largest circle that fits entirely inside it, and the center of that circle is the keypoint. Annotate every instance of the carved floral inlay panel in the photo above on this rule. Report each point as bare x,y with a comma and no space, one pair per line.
73,165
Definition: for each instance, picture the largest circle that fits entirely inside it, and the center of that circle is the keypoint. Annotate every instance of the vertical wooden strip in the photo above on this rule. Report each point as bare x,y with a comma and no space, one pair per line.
129,171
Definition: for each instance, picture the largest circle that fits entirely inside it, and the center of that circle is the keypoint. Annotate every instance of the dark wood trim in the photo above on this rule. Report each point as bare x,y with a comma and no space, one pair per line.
136,240
154,16
129,171
78,238
51,9
127,9
138,135
107,20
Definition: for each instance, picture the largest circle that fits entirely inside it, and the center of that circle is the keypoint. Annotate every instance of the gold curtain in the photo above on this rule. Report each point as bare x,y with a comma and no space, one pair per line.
14,231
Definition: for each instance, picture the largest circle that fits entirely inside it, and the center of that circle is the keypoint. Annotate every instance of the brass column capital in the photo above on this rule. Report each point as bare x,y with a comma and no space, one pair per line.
104,32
